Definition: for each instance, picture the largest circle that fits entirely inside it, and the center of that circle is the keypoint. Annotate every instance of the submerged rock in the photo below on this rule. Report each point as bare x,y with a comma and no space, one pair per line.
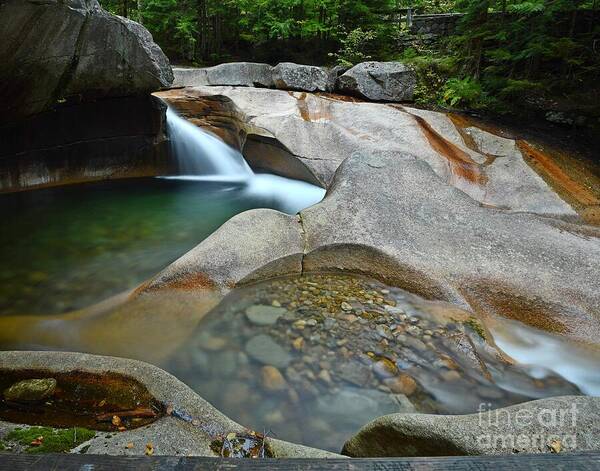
353,406
30,390
403,384
272,379
264,315
379,81
264,349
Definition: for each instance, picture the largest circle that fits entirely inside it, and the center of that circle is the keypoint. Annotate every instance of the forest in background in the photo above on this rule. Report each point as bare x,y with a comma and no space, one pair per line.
501,53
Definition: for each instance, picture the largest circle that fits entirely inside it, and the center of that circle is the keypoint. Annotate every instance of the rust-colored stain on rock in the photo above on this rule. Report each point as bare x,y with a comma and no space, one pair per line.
344,98
545,164
192,281
319,110
461,164
214,113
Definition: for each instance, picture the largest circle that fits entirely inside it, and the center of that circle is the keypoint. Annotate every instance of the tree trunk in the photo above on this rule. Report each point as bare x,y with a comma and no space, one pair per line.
480,22
202,29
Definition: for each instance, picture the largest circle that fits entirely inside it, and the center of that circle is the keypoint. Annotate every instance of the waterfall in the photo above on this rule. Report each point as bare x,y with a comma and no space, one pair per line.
203,157
200,153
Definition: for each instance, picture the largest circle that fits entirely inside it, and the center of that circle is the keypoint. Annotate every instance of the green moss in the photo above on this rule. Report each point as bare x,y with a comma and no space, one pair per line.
476,326
55,440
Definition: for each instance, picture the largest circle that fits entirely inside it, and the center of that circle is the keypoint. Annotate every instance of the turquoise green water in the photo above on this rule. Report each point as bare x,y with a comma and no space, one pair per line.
65,248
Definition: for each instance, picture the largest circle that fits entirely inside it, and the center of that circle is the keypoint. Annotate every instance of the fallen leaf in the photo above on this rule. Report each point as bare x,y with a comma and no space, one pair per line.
195,422
102,403
38,441
122,429
129,446
170,409
230,436
555,446
149,449
116,420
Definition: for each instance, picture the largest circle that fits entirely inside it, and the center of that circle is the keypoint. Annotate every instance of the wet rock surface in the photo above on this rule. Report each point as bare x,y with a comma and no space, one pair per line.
31,390
77,143
320,131
347,350
553,425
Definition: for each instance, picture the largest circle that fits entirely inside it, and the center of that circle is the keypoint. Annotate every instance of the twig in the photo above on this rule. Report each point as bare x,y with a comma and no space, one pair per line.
126,413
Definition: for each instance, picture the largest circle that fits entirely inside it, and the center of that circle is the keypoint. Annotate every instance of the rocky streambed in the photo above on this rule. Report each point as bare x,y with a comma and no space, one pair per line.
450,268
311,359
461,233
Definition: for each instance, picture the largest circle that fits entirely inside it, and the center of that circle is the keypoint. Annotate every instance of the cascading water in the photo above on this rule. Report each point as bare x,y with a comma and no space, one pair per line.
200,153
203,157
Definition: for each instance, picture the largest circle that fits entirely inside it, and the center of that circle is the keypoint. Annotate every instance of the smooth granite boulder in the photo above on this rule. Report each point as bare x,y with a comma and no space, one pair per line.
554,425
379,81
72,50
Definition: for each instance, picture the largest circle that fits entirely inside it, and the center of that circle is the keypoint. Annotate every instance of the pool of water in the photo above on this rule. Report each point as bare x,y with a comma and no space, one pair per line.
311,359
65,248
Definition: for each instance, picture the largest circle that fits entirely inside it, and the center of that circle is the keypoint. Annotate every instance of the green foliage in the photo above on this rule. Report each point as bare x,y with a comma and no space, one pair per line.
434,68
353,47
467,92
209,30
54,440
519,46
432,6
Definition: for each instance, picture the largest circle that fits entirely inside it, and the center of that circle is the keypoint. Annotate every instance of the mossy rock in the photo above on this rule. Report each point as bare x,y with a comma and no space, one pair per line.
476,326
53,441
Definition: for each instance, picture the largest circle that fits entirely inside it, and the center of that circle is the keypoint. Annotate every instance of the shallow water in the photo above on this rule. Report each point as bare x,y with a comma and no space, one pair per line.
65,248
311,359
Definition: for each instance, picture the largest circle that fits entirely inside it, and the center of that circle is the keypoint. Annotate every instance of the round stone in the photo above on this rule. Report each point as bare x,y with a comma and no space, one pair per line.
272,379
264,315
30,390
403,384
265,350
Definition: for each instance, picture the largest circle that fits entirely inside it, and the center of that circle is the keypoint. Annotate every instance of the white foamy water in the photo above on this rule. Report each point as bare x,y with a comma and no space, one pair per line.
200,153
203,157
576,363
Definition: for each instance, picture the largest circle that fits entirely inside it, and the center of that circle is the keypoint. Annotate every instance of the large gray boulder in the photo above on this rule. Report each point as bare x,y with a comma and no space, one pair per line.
379,81
72,50
189,76
245,74
306,78
554,425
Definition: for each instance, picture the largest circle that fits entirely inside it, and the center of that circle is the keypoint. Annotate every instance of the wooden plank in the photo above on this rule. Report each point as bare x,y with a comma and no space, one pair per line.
67,462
